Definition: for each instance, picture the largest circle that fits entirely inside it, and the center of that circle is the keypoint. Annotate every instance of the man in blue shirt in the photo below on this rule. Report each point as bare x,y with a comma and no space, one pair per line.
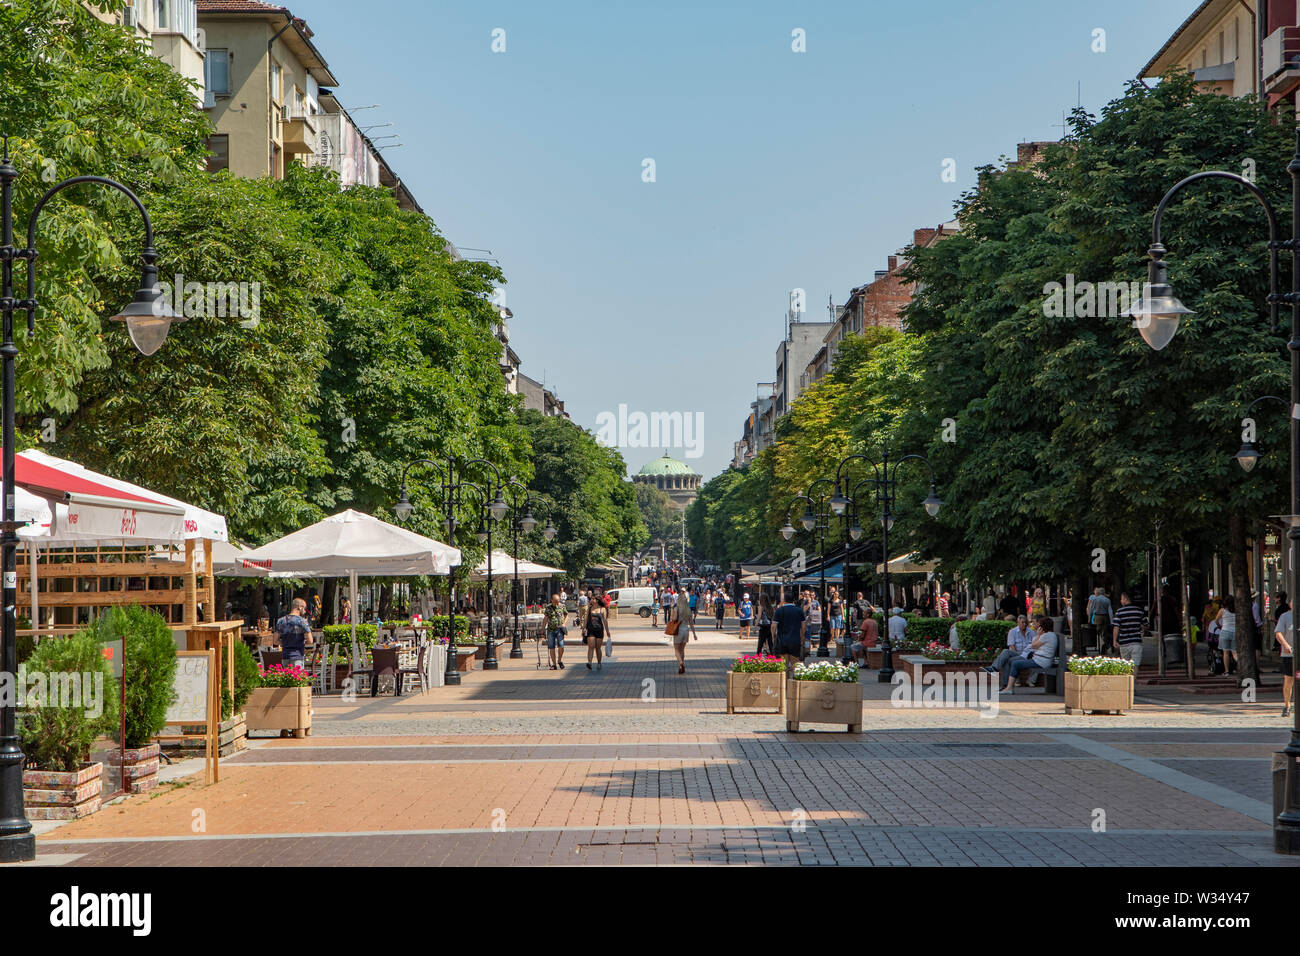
294,630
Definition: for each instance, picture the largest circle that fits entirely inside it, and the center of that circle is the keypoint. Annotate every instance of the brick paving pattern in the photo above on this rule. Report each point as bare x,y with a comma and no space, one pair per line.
530,767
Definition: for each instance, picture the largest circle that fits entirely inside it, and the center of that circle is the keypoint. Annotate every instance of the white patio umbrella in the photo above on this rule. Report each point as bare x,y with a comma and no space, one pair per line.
503,565
351,543
908,564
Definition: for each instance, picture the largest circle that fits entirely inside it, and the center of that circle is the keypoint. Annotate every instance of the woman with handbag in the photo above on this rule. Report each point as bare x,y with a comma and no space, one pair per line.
594,631
684,621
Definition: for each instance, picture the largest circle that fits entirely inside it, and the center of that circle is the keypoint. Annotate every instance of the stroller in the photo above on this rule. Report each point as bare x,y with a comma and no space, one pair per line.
1214,655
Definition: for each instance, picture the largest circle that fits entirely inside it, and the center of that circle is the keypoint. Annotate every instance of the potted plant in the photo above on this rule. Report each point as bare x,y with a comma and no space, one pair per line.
826,692
70,699
756,681
1098,683
282,701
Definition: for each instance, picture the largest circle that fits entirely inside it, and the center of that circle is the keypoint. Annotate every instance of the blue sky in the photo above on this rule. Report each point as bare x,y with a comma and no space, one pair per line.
774,169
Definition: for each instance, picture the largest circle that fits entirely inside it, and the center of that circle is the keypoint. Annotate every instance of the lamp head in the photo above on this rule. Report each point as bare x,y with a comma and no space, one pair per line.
787,531
839,504
855,532
550,531
498,508
887,522
528,523
149,316
1248,456
1156,315
809,520
403,508
932,503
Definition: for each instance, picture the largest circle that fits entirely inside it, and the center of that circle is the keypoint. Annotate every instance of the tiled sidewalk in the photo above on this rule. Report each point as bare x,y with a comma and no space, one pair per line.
577,767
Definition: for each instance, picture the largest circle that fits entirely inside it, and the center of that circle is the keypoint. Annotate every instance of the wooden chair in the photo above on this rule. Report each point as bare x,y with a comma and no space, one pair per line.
270,659
361,667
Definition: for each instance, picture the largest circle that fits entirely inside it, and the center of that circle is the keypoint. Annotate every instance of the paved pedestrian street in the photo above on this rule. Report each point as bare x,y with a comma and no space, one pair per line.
634,764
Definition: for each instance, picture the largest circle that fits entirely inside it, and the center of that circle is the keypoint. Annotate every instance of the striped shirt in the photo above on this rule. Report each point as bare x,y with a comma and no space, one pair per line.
1129,619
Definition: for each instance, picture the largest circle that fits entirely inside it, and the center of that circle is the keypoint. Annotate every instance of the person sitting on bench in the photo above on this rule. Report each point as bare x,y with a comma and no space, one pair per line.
1018,640
1039,656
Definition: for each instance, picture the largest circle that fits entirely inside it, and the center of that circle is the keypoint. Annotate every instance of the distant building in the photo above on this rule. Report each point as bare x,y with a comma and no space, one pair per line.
878,303
674,478
1221,43
539,398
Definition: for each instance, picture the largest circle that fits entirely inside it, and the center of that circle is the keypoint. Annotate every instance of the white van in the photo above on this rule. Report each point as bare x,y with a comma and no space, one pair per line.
632,599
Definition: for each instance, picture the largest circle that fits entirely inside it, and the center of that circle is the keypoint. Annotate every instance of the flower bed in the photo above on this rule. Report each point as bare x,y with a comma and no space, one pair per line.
758,664
826,671
1100,666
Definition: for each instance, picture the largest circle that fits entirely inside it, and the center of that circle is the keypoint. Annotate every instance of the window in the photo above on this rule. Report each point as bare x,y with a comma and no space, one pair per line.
216,72
177,16
218,152
162,14
1222,58
277,90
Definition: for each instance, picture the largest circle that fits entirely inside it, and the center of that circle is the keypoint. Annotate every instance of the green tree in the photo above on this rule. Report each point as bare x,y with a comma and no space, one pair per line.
661,519
581,485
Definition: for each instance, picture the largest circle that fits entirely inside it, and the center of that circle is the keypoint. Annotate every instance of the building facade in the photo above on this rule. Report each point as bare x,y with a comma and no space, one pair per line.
173,31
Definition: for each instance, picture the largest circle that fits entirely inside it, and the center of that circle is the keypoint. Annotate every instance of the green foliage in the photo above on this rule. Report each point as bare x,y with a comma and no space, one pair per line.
754,664
1092,666
59,737
582,486
927,629
438,626
26,644
989,637
367,634
663,522
247,677
150,652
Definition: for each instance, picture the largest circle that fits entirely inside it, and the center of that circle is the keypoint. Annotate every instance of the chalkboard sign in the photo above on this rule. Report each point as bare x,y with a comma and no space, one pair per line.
193,684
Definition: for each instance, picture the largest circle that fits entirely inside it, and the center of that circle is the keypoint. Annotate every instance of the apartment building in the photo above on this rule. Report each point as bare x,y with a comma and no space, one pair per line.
878,303
801,343
1238,48
172,29
263,82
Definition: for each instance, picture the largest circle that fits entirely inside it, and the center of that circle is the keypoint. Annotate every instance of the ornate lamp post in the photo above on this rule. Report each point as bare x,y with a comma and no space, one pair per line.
449,491
526,524
819,521
148,319
884,485
1156,316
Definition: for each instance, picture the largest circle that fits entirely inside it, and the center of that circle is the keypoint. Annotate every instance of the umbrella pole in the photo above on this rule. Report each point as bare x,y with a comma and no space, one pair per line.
352,589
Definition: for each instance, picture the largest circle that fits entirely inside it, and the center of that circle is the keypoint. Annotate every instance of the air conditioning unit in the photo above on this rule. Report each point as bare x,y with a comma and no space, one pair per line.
129,17
201,40
209,100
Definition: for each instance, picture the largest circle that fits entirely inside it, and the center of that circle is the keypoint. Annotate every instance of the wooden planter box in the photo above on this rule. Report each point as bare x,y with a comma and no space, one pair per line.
1093,692
232,737
57,795
756,690
917,665
465,657
279,708
823,702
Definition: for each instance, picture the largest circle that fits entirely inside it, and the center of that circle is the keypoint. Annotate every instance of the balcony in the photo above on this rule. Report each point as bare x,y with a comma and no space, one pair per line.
1280,56
299,132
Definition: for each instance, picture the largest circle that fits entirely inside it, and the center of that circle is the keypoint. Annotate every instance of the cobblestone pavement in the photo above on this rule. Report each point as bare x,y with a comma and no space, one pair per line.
528,766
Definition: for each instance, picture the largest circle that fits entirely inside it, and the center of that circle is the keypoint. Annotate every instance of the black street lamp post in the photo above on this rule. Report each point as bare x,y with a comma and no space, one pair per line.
526,524
884,483
449,491
148,319
1157,315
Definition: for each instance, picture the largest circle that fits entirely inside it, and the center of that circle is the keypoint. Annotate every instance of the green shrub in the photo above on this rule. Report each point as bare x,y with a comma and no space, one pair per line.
150,652
367,635
26,644
438,626
246,678
60,737
923,630
986,637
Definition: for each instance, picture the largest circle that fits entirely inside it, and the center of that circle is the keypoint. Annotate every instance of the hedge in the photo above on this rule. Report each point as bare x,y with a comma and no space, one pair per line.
367,634
987,636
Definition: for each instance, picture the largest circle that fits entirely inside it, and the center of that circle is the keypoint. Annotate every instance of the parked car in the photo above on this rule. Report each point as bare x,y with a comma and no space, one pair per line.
639,600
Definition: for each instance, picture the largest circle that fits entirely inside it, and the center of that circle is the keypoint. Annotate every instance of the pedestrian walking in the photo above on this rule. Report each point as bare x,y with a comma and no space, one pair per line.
719,609
1128,623
815,622
685,625
766,626
1099,614
555,616
1227,620
746,615
1285,641
835,605
595,632
791,632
